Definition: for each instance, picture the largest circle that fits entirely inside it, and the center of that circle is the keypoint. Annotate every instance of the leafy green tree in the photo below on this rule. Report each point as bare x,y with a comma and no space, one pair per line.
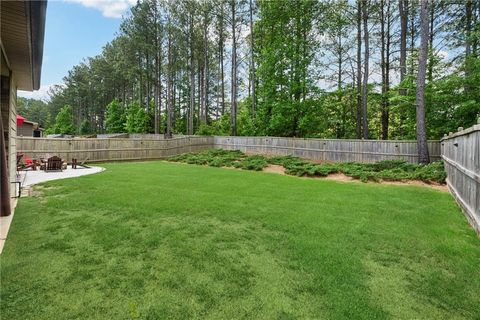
64,121
33,110
115,117
299,58
85,127
284,34
137,119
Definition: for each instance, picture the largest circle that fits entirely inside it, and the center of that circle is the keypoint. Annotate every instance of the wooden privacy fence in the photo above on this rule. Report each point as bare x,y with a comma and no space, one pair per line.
461,154
103,149
111,149
329,149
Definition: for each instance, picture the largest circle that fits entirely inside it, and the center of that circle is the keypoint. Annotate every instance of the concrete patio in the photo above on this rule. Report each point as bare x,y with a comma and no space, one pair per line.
29,178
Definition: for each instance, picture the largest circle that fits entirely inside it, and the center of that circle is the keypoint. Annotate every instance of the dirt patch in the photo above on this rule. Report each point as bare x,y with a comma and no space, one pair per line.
437,186
274,168
339,177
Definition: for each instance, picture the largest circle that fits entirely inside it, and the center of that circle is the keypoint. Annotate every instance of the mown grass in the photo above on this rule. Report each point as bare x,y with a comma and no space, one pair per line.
389,170
158,240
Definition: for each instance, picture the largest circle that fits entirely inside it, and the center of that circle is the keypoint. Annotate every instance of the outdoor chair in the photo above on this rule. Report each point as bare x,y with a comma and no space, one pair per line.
53,164
25,162
81,165
19,161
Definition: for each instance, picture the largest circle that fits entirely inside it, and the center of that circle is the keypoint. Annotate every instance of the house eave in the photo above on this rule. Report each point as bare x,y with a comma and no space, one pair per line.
22,37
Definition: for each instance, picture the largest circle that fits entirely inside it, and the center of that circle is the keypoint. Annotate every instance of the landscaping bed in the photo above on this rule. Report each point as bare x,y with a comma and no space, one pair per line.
388,170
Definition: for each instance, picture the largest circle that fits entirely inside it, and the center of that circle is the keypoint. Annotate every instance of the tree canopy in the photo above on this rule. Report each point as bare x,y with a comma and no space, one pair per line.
304,68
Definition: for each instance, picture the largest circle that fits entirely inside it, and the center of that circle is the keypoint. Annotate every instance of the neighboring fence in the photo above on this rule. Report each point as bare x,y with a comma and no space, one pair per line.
329,149
111,149
461,154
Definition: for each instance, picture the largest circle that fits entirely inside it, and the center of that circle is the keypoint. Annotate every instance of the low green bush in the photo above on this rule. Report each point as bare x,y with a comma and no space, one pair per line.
390,170
211,157
256,163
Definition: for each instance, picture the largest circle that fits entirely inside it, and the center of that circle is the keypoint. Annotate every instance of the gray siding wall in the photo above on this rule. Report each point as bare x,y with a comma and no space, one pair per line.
26,130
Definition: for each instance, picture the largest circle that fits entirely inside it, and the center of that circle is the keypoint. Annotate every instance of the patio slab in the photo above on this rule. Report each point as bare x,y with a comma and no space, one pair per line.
30,178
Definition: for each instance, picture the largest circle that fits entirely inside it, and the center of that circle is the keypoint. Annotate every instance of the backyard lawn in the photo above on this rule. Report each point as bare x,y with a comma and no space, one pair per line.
157,240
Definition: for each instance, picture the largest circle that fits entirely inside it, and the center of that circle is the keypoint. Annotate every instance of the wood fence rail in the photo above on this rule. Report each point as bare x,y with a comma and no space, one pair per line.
461,155
105,149
366,151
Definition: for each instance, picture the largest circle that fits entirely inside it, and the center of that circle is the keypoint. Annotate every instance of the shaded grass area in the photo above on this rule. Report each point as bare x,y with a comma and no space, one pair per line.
390,170
157,240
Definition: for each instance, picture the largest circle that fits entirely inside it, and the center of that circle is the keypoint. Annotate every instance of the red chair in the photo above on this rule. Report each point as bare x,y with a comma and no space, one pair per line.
24,162
28,161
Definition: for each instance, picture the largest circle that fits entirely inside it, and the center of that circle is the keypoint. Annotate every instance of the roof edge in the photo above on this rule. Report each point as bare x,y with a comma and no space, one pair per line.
38,11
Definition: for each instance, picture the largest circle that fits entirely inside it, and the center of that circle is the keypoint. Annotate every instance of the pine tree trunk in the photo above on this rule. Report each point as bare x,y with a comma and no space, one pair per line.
412,39
385,53
359,69
431,56
423,156
403,8
468,40
192,81
168,133
252,62
366,71
158,80
233,111
205,73
221,62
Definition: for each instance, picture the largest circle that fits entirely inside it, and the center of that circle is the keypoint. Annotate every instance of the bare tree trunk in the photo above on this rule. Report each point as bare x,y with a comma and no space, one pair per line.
205,73
366,71
156,117
158,74
192,81
221,48
199,96
468,40
222,76
476,16
252,62
168,133
385,65
431,56
201,89
206,82
403,8
359,69
233,111
423,156
412,38
340,60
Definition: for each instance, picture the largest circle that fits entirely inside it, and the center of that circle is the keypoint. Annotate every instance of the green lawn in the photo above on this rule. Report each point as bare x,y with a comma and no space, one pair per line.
156,240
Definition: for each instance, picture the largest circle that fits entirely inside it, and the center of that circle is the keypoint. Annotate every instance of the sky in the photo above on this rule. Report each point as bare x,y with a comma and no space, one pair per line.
74,30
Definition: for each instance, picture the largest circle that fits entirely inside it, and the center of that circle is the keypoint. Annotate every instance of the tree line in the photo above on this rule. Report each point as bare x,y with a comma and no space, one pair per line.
404,69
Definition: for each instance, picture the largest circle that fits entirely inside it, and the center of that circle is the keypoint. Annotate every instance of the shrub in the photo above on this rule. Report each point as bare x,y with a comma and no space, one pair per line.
391,170
256,163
